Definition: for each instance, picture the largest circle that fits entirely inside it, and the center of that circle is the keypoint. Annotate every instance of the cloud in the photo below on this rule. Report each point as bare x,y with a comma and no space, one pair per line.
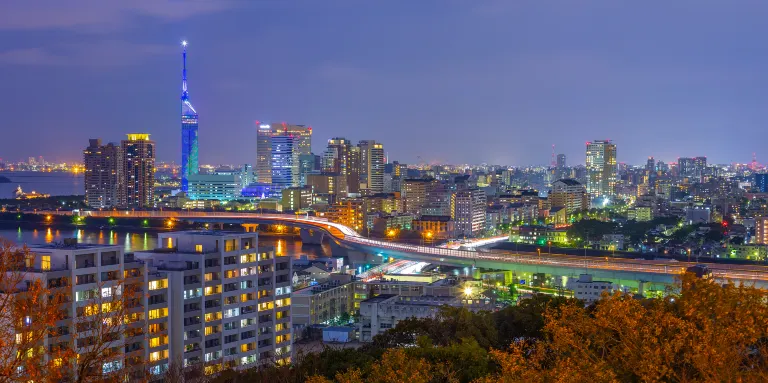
98,15
94,55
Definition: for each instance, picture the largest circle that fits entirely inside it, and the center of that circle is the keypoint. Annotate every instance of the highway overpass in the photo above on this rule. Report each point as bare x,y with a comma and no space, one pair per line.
627,272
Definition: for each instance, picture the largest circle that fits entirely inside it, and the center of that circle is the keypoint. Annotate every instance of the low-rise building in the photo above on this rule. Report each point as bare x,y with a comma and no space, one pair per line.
440,226
384,311
588,290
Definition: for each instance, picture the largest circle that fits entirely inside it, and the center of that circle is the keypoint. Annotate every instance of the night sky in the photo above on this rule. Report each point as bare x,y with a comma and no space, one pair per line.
459,81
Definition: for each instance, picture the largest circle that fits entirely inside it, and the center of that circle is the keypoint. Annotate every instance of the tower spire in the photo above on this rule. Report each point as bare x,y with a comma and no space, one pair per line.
184,93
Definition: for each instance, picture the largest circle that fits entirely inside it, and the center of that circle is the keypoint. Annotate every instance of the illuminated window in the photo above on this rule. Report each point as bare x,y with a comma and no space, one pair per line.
158,341
212,290
212,316
170,243
158,313
45,262
198,248
159,284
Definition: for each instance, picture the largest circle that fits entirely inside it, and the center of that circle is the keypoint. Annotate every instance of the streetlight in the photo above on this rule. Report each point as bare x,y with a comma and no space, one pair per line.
549,243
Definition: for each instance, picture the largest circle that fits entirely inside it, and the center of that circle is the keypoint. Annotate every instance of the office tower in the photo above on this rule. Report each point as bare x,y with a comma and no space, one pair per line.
137,176
371,166
468,211
285,161
101,174
699,166
222,301
569,194
686,167
561,161
189,164
761,182
343,158
264,135
601,168
650,166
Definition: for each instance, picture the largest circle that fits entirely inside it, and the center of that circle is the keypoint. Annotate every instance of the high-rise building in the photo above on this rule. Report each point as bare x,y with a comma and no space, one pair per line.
343,158
415,192
264,135
468,211
601,168
137,175
692,167
189,162
285,161
371,166
650,166
101,174
220,294
561,161
761,182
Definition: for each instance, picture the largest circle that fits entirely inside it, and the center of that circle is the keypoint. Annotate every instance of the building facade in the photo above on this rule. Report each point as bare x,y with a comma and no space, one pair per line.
102,169
285,161
137,175
226,302
468,211
264,134
220,187
569,194
371,166
602,170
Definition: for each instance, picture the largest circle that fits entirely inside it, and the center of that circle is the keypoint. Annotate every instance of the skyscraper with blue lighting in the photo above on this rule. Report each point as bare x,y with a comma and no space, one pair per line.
189,164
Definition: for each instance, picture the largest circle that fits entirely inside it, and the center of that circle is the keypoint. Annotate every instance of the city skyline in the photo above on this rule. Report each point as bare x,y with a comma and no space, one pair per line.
679,85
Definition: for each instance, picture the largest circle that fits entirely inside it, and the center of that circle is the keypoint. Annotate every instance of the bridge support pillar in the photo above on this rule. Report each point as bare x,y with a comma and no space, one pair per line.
311,237
250,227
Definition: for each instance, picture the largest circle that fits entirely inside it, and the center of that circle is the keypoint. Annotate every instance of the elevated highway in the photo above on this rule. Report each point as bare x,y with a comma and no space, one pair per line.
623,270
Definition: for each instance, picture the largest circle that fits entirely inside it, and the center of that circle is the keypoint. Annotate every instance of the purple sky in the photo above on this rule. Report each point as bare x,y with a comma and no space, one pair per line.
496,81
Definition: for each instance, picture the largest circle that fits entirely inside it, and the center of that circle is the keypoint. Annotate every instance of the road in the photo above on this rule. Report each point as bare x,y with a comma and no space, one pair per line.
348,236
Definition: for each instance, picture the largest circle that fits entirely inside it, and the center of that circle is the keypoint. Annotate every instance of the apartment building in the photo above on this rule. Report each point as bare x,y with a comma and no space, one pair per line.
226,302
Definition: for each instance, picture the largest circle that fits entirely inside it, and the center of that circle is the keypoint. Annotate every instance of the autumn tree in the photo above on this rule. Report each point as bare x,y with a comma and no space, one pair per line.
395,366
706,331
108,327
30,315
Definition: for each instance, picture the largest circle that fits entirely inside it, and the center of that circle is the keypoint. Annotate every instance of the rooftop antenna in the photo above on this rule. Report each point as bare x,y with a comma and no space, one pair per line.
553,163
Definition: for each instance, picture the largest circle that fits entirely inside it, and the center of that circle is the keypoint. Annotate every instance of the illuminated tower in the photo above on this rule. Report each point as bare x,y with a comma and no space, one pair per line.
189,165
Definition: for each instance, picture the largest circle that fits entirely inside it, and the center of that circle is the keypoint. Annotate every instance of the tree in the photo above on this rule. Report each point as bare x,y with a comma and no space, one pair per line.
395,366
30,312
703,332
109,322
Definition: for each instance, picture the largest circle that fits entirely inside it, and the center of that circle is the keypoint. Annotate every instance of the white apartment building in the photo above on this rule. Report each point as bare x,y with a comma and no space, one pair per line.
588,290
384,311
226,303
468,211
89,275
207,297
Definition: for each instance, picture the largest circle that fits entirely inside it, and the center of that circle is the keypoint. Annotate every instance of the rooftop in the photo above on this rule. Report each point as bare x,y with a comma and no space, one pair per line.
569,182
380,298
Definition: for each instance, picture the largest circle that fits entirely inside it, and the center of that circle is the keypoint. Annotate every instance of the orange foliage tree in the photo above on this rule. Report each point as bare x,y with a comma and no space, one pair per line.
30,315
395,366
705,331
